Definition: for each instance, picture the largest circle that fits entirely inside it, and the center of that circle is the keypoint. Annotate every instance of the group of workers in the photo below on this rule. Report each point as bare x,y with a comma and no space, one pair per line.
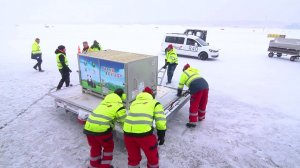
198,86
137,126
61,59
138,123
144,110
94,48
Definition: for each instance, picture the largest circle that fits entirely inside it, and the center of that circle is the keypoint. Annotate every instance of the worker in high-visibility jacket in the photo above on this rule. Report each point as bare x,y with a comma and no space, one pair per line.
171,61
99,126
36,54
63,66
96,46
138,129
86,47
198,88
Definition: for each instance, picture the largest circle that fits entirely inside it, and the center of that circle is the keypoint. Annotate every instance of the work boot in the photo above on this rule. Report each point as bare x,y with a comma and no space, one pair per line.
168,83
34,67
69,85
190,125
41,70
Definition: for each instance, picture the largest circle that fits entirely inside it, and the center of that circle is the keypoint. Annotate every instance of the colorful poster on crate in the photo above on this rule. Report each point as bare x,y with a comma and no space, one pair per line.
112,76
90,73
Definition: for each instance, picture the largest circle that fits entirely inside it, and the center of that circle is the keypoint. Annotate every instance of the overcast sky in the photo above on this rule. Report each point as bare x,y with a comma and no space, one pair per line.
213,12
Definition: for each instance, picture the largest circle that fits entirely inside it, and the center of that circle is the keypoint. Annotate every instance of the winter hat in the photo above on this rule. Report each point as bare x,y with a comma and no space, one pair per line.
186,67
170,46
61,47
148,90
120,92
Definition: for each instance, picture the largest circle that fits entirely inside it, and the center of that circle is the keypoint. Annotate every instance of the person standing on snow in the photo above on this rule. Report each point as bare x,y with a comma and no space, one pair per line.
96,47
198,88
63,66
86,47
138,129
99,126
37,55
171,61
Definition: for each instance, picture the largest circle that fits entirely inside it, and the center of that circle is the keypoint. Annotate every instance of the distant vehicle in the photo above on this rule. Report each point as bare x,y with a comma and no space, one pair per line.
190,45
200,33
285,46
276,36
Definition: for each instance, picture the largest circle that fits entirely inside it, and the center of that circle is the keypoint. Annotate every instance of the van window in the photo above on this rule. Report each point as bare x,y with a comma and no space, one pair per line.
176,40
203,43
191,42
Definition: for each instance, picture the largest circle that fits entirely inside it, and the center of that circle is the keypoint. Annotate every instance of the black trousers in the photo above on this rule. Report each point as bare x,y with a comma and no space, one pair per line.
65,78
37,57
170,71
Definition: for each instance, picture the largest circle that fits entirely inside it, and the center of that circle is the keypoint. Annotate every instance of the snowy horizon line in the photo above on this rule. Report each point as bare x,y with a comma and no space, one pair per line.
289,26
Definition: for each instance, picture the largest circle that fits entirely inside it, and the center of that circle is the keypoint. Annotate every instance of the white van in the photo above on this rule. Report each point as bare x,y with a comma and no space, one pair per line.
190,45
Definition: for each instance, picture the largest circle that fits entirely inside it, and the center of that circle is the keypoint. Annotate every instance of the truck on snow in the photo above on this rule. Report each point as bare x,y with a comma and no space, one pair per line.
285,46
102,72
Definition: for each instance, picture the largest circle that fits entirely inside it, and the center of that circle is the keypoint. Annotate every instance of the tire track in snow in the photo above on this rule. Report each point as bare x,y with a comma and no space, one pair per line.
25,110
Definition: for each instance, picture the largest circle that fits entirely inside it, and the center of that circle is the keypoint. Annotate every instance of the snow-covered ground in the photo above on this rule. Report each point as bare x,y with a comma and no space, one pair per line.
252,117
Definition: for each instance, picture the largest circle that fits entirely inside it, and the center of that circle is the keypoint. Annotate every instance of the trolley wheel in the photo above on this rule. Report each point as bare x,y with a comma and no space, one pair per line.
279,54
271,54
292,58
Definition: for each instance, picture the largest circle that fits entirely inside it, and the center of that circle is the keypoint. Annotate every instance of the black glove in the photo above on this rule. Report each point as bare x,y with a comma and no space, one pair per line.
70,70
161,136
179,92
166,64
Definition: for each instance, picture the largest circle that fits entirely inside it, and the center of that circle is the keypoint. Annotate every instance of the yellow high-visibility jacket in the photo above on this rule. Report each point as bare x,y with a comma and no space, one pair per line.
103,117
35,49
59,64
87,51
172,57
191,78
143,111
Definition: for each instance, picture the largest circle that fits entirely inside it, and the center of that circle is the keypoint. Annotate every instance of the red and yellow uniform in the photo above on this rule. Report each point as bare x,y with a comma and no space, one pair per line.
138,129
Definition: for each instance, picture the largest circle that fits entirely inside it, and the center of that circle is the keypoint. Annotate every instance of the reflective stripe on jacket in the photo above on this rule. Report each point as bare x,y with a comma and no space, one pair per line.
59,64
171,56
188,76
191,78
111,109
35,49
142,112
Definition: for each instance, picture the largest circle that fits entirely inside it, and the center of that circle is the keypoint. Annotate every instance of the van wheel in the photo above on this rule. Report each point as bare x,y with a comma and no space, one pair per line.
292,58
203,56
279,54
271,54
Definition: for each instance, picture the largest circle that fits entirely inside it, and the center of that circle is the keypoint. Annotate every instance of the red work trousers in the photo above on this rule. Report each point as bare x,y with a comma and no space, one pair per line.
99,158
198,104
148,144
